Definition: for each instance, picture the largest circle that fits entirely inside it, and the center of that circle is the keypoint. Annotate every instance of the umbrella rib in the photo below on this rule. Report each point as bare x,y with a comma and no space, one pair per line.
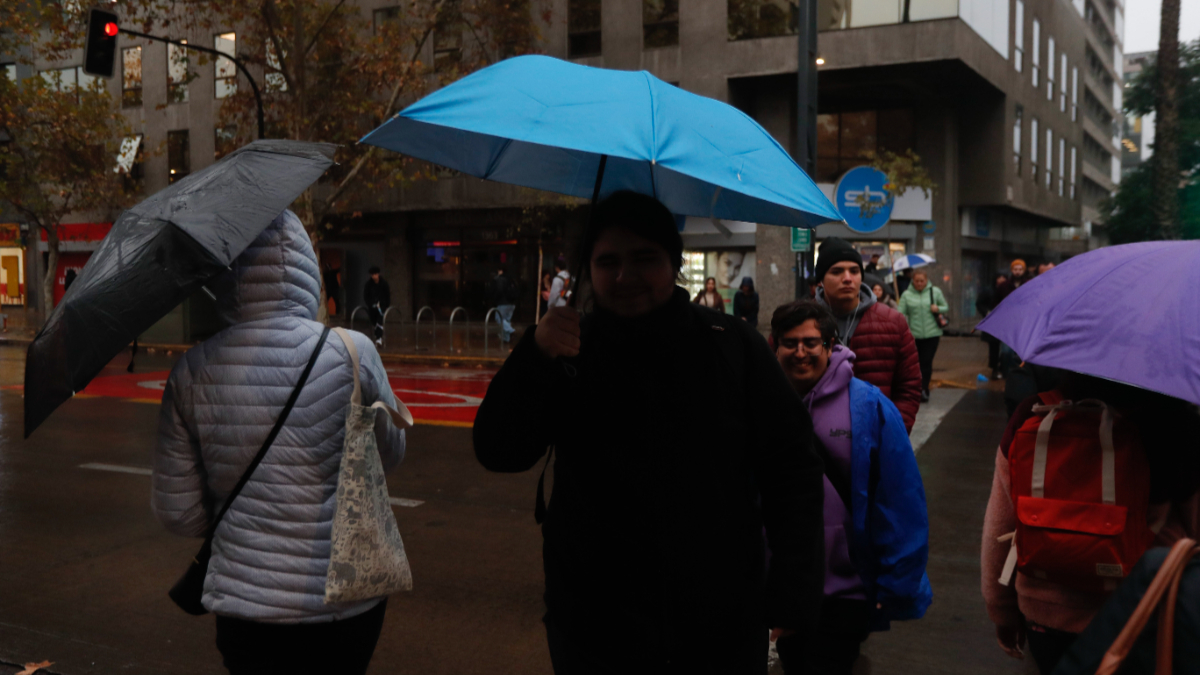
496,158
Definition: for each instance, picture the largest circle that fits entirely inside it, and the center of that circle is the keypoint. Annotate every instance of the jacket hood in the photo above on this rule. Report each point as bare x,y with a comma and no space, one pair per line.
276,276
836,378
847,324
747,281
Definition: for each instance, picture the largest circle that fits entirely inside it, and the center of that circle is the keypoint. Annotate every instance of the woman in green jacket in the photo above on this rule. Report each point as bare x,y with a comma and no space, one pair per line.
924,307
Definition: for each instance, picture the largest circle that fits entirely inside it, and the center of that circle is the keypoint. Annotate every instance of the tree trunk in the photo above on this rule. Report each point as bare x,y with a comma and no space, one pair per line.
1166,132
51,274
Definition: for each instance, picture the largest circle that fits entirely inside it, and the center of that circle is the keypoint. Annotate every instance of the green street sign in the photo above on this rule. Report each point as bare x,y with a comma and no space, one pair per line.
801,238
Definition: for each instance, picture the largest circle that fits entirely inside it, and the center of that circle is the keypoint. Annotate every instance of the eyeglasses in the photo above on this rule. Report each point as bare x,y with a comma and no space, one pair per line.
811,344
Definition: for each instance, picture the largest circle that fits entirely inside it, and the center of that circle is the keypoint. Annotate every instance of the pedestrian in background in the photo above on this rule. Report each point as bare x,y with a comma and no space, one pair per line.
882,293
710,297
876,524
378,297
1044,267
547,282
1018,275
985,302
653,548
876,333
1050,615
745,303
503,293
560,286
873,266
924,307
270,555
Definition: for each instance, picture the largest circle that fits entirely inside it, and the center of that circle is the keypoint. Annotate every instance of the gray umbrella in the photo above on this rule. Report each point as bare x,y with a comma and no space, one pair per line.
159,253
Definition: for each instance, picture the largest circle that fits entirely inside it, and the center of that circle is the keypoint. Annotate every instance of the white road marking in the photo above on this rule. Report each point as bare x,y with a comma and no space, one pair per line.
456,400
931,414
117,468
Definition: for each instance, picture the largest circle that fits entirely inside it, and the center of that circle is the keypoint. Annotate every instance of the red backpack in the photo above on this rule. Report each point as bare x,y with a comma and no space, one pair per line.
1081,488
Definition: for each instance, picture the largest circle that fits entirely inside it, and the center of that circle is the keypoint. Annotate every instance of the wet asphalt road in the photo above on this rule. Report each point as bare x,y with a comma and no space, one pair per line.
84,567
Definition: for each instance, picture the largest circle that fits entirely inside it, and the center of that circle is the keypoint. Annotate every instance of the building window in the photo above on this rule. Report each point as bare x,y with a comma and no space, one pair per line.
10,70
583,28
179,155
1062,154
131,159
448,37
1019,35
1037,44
660,23
386,19
177,73
225,70
1033,147
226,140
1074,93
1050,69
1062,86
68,80
273,77
1017,139
131,77
1072,173
749,19
1049,158
844,138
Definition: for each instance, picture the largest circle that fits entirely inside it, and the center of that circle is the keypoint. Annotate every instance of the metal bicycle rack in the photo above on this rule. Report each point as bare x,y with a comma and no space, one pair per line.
417,327
487,324
453,313
353,314
384,321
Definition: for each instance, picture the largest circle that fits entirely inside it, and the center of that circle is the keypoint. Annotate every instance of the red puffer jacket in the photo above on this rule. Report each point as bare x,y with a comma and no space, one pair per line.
886,356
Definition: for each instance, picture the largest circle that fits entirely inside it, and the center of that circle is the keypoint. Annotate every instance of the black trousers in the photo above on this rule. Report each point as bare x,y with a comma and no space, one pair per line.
926,349
993,351
253,648
375,313
1048,646
834,647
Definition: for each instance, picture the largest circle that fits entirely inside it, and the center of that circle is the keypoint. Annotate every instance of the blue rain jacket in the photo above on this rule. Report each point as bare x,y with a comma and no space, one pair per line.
889,543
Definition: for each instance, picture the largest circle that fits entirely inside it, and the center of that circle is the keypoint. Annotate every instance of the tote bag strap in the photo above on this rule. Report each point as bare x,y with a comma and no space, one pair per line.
400,415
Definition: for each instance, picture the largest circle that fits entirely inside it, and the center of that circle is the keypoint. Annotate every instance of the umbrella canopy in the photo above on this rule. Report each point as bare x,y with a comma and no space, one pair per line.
548,124
912,261
1125,313
157,254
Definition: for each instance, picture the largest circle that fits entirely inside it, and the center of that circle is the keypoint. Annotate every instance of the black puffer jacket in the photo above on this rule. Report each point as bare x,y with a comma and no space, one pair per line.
667,468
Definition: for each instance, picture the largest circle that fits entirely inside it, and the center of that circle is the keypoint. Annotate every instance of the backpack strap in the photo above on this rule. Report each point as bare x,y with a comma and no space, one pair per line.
1041,450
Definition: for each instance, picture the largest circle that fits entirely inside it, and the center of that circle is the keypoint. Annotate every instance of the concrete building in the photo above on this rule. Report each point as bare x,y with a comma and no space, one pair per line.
1138,138
1013,106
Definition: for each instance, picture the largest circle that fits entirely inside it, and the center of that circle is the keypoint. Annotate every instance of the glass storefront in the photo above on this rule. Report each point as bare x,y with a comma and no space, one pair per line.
727,266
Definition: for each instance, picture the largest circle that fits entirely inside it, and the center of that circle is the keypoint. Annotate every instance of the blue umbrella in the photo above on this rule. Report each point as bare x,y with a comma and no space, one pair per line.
548,124
912,261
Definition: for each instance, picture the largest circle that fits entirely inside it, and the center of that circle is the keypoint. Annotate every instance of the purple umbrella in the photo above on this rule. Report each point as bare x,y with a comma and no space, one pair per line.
1125,313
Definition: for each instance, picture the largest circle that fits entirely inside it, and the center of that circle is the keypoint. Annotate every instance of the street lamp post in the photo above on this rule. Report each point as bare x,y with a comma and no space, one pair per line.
806,130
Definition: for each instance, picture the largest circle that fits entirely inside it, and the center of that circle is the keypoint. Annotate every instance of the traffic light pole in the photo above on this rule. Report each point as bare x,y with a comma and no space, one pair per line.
806,129
238,62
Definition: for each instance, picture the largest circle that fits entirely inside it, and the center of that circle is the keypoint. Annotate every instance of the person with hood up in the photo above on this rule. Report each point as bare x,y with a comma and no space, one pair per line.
266,579
745,303
876,523
653,538
876,333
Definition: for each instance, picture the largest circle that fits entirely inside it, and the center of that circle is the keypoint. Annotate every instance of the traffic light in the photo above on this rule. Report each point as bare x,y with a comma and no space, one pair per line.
100,51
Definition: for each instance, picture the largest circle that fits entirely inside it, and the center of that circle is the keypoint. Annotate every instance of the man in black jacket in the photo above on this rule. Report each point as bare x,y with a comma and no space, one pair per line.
377,297
502,293
653,551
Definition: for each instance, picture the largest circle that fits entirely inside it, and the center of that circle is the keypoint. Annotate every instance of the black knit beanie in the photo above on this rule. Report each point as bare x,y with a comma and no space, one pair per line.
834,251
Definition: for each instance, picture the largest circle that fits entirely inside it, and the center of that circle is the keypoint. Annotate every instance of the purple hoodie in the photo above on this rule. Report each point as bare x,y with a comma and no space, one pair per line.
829,405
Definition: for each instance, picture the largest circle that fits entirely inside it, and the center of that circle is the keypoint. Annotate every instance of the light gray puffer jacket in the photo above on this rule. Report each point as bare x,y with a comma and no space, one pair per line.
271,551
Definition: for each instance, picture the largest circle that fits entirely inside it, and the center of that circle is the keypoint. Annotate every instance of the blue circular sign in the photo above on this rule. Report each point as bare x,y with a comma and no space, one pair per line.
863,183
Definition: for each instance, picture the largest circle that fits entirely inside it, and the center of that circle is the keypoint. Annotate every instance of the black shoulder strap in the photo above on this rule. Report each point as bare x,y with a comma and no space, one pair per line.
262,452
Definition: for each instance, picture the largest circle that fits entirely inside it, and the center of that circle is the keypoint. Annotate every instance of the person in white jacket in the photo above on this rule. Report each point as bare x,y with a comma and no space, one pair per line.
266,578
560,288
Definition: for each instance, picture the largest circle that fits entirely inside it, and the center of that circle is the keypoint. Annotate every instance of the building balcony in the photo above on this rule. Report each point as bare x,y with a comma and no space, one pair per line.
1103,52
1098,176
1102,93
1102,134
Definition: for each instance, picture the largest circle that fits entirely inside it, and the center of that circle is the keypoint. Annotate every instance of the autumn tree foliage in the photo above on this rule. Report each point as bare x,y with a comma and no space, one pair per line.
59,140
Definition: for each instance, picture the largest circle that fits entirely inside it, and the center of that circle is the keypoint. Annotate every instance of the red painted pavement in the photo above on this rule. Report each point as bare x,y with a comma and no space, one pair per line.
445,396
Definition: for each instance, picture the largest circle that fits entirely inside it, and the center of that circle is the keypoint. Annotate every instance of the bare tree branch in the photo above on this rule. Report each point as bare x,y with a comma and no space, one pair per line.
312,43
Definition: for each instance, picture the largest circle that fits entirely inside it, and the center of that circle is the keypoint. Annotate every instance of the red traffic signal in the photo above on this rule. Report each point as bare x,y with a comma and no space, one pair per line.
100,50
